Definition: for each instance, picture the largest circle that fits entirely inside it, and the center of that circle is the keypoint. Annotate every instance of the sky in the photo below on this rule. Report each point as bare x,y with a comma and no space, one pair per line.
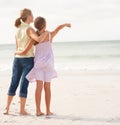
91,20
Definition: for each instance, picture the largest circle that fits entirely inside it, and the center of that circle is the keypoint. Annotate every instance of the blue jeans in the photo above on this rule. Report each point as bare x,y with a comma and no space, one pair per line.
21,67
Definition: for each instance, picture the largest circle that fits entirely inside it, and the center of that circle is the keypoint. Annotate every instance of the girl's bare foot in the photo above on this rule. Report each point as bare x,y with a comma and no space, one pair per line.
49,113
39,114
6,111
24,113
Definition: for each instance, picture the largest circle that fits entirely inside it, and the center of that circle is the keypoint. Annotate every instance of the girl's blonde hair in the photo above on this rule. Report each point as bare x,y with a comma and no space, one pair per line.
39,23
23,16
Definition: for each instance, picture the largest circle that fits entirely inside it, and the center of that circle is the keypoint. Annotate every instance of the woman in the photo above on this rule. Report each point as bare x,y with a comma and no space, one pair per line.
22,63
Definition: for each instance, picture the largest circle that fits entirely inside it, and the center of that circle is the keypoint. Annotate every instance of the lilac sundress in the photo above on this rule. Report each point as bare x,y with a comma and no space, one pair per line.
43,63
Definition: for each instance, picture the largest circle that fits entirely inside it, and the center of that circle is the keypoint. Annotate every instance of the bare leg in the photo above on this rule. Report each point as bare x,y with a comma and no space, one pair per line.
38,93
47,97
22,106
9,100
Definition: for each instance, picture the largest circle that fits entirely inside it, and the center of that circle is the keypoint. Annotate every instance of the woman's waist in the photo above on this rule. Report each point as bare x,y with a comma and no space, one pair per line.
24,56
30,53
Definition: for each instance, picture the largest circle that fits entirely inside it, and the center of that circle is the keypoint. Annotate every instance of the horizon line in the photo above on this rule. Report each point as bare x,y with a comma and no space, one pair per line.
69,41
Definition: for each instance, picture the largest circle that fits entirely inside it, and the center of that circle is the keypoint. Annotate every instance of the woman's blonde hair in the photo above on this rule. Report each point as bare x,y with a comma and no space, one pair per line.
23,16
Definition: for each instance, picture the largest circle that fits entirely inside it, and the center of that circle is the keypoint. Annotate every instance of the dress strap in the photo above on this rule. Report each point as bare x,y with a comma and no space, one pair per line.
49,36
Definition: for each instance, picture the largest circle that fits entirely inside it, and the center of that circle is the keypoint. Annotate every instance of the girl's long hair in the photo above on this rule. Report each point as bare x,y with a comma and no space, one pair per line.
39,24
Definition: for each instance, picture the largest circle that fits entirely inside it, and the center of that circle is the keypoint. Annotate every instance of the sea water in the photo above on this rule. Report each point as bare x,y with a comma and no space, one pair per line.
80,55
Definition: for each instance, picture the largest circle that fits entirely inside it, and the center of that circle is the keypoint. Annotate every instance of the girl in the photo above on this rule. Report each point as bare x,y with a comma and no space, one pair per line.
22,63
43,70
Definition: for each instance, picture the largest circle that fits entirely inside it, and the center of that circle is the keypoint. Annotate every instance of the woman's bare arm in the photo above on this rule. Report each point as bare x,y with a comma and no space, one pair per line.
16,43
31,43
32,34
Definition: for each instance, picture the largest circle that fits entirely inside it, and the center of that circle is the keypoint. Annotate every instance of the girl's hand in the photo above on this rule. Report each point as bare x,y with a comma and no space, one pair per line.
68,25
18,53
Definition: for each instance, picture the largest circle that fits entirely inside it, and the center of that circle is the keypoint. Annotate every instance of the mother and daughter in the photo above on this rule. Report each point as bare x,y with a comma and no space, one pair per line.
29,68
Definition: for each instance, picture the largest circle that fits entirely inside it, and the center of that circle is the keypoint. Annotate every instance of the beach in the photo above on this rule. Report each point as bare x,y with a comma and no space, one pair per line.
78,98
85,92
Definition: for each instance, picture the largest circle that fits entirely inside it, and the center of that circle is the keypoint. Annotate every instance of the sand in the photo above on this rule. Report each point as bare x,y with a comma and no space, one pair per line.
78,98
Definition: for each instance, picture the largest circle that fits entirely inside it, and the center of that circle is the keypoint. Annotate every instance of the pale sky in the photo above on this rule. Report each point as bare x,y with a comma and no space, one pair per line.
90,19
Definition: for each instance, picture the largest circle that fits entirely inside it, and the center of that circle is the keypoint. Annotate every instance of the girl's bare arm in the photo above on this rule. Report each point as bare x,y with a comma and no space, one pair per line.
53,33
26,49
34,37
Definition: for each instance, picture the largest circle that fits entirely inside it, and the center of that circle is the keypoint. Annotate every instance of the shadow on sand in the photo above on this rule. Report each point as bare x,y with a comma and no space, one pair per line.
79,118
73,118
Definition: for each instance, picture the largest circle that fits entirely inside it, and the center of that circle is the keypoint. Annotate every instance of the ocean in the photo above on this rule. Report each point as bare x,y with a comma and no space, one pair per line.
81,55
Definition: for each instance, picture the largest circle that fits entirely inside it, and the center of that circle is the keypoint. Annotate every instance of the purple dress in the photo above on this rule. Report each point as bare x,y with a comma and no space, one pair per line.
43,63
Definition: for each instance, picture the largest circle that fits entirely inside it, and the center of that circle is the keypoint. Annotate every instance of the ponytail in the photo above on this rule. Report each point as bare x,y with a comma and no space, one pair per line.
23,16
17,22
35,43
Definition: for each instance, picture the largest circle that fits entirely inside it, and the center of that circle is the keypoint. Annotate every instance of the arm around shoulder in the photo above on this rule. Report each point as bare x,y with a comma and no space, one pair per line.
33,35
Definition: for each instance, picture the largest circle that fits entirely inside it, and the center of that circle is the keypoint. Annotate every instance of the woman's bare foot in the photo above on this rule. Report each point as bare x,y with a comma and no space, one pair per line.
24,113
49,113
6,111
39,114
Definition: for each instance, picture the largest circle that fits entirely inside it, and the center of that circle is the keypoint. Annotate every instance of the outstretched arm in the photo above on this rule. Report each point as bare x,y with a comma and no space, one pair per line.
53,33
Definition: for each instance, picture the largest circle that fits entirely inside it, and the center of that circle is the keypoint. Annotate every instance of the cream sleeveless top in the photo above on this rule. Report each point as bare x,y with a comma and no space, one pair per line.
23,39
